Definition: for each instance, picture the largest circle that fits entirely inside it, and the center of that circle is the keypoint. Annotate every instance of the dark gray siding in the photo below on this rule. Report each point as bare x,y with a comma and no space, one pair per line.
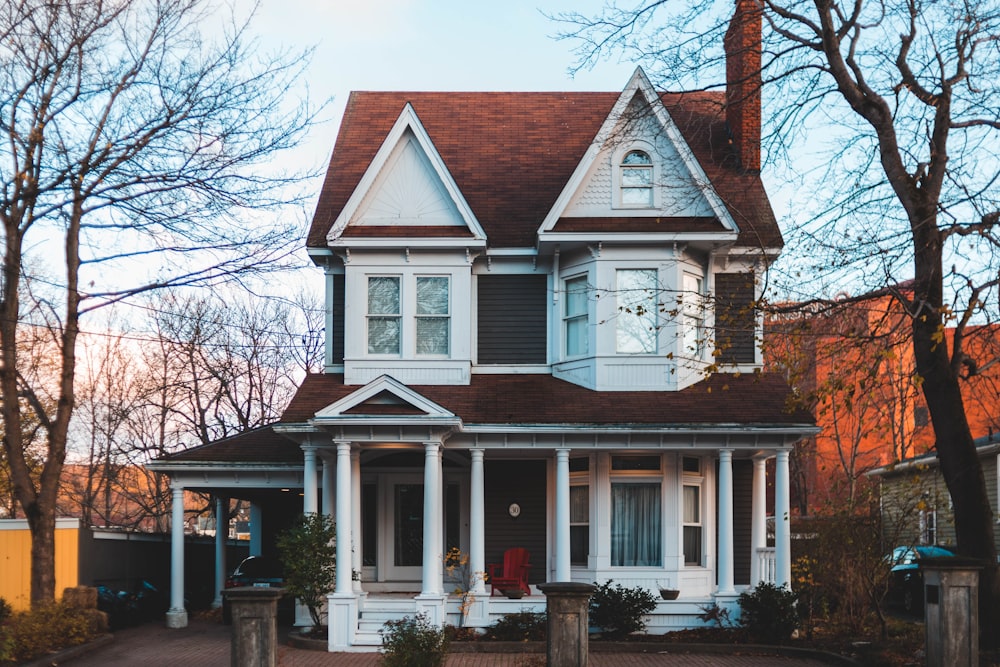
742,519
735,317
512,319
338,319
521,482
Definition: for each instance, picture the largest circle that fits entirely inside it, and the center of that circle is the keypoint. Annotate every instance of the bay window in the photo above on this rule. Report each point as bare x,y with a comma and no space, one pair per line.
636,524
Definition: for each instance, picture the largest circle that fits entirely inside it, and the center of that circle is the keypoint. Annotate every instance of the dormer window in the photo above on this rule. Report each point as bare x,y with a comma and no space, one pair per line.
636,174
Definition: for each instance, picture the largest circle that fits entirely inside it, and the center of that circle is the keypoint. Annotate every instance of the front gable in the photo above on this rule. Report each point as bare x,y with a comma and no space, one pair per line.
640,125
385,396
407,187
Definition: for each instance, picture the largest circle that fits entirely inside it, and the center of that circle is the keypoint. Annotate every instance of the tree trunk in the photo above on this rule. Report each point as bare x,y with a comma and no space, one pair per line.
42,522
956,451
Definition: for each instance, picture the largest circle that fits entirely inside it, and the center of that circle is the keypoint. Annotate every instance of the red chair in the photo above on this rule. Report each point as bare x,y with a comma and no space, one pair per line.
514,572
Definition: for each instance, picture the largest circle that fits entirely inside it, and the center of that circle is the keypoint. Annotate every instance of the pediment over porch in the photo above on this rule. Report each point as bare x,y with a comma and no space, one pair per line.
385,400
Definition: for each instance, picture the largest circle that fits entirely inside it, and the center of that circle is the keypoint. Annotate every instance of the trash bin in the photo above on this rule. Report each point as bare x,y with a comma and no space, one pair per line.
951,611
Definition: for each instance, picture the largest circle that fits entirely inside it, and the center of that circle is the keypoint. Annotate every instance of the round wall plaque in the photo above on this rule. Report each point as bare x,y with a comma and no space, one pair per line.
514,510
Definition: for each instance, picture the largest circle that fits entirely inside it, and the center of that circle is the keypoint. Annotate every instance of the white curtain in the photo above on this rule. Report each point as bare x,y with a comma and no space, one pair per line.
635,525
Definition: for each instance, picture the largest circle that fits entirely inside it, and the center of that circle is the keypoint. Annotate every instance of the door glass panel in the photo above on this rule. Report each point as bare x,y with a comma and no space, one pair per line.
409,524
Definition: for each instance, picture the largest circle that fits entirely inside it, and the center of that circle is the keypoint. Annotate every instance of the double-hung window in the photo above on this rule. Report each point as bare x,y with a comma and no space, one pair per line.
579,511
398,323
691,511
636,172
635,329
636,523
384,315
433,315
692,315
575,317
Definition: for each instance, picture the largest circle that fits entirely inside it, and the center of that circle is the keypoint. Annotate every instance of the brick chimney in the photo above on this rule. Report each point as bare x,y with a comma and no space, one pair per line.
743,81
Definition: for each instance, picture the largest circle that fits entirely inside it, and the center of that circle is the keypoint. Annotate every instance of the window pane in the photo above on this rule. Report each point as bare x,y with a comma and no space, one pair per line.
635,525
576,296
383,335
637,196
635,463
383,296
637,157
637,306
432,296
576,337
432,335
692,505
579,540
692,545
633,177
579,504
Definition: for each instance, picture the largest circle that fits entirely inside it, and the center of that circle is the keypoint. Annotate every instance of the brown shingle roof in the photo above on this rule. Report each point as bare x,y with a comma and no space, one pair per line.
748,399
511,154
261,445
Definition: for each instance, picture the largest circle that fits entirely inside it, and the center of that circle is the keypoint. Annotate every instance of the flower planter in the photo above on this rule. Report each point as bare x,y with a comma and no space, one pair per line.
669,593
514,593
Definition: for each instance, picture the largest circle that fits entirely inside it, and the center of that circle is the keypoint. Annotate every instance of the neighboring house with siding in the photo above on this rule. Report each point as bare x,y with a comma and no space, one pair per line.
540,334
916,505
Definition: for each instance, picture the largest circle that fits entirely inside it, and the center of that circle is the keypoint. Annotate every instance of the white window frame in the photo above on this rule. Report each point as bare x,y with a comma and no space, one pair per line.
928,526
446,316
692,309
627,320
407,317
576,317
618,175
689,479
397,316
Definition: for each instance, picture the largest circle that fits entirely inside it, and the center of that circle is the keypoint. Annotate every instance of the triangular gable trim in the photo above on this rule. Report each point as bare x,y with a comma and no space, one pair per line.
407,120
390,385
639,83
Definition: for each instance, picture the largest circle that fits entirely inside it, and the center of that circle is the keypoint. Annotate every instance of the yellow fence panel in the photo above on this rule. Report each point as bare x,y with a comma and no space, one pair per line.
15,559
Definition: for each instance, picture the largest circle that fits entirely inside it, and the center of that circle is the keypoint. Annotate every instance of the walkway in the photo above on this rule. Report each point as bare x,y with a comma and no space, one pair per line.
206,644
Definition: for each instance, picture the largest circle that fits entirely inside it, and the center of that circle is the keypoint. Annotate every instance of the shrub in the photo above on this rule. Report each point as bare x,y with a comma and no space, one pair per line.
618,610
768,613
309,555
29,634
523,626
413,642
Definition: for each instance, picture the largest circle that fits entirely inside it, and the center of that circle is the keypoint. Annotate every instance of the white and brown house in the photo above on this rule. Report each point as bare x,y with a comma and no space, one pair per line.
540,333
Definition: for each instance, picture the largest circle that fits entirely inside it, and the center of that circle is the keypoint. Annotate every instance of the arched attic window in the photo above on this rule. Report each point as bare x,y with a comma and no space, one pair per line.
636,172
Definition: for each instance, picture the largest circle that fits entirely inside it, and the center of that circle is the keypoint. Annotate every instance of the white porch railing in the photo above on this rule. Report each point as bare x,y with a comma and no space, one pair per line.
767,565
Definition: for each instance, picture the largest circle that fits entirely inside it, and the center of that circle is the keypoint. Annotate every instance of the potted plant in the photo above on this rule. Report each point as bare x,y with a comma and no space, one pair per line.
668,593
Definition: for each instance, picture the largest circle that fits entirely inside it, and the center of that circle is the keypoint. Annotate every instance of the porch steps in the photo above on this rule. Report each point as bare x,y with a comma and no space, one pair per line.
373,614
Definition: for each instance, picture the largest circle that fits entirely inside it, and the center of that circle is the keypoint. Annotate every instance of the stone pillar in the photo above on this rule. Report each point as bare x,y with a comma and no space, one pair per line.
221,533
177,616
782,523
562,516
725,564
566,611
758,528
254,639
951,611
309,504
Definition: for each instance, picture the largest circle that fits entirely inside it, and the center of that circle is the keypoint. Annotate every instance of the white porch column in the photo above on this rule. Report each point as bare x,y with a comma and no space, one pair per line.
309,504
758,525
343,577
329,484
356,519
782,523
221,532
725,563
256,524
432,566
342,604
477,520
562,516
177,616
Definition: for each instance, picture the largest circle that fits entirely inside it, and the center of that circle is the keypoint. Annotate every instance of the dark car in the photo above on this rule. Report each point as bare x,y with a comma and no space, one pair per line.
906,577
262,572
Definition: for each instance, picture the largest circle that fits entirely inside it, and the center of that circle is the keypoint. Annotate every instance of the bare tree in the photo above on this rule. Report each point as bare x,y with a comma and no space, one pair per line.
897,107
134,155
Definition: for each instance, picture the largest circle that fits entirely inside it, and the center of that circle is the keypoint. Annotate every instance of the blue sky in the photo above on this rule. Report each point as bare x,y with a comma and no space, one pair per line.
428,45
